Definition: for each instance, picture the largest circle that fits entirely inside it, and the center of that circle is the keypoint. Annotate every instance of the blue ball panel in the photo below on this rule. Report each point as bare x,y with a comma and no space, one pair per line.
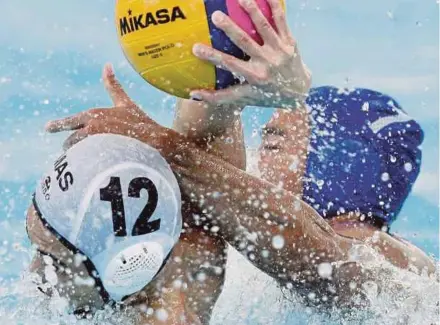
222,43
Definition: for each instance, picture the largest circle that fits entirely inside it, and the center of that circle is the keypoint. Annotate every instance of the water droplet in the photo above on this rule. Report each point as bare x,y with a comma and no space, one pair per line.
162,315
201,277
51,275
408,167
4,80
215,229
366,107
297,205
325,270
229,140
294,165
278,242
385,177
78,259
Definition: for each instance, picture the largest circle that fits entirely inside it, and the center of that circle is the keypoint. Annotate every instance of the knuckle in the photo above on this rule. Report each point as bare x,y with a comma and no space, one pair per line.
117,85
133,111
280,15
244,40
277,61
291,41
265,25
94,112
228,62
308,78
288,51
261,77
92,126
207,52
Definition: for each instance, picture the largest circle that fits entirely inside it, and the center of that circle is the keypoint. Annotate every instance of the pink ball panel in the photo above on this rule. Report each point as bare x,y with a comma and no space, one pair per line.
242,19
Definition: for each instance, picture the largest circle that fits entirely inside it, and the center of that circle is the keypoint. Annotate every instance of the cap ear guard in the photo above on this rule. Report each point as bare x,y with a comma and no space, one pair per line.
118,269
133,267
93,273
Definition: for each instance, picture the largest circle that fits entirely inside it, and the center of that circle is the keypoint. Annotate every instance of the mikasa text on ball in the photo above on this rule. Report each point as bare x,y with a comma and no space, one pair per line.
157,37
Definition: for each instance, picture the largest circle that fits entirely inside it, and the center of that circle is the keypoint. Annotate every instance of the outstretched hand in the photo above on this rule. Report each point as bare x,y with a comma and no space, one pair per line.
124,118
276,75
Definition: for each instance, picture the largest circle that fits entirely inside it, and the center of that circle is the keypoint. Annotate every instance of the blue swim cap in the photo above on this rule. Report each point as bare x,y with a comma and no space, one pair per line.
364,154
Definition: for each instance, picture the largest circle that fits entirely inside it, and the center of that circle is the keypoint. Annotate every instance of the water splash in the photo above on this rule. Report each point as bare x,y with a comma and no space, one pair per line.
249,296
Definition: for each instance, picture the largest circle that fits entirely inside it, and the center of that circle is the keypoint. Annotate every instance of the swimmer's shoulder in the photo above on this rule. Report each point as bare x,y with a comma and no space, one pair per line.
395,249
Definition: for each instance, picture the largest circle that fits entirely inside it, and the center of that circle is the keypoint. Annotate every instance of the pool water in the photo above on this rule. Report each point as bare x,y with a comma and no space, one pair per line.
51,57
249,296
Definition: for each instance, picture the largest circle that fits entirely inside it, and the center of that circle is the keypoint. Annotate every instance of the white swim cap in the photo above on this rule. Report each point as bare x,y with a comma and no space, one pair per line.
116,201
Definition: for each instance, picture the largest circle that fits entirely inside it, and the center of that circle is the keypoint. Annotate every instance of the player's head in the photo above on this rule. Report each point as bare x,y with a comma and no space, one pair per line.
104,220
352,151
283,151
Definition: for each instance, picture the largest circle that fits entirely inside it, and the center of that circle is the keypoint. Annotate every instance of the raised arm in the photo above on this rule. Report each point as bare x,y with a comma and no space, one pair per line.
217,129
246,210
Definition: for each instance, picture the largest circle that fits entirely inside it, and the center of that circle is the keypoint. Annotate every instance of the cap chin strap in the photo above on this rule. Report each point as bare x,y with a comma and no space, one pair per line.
91,269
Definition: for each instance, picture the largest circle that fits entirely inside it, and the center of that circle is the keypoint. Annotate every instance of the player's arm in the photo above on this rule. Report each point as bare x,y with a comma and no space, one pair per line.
217,129
241,205
285,234
251,211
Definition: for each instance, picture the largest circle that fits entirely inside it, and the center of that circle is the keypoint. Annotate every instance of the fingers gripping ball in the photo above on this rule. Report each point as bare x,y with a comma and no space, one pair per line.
157,37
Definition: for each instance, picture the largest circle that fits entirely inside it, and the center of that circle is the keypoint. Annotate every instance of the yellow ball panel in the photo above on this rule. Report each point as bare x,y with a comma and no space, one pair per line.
157,38
179,78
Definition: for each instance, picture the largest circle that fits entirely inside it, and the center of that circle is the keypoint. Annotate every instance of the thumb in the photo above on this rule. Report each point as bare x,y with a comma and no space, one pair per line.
114,88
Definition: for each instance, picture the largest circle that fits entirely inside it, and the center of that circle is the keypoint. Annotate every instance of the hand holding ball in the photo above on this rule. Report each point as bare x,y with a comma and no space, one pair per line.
157,37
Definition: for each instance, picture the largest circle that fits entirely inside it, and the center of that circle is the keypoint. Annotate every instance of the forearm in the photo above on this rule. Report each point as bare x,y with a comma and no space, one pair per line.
250,211
215,129
198,119
277,232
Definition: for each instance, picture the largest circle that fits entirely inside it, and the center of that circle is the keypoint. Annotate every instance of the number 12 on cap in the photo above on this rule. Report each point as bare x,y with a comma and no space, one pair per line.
113,194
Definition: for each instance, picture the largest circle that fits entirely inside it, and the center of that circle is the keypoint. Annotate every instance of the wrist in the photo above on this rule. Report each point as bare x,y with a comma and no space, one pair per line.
294,99
171,144
298,88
